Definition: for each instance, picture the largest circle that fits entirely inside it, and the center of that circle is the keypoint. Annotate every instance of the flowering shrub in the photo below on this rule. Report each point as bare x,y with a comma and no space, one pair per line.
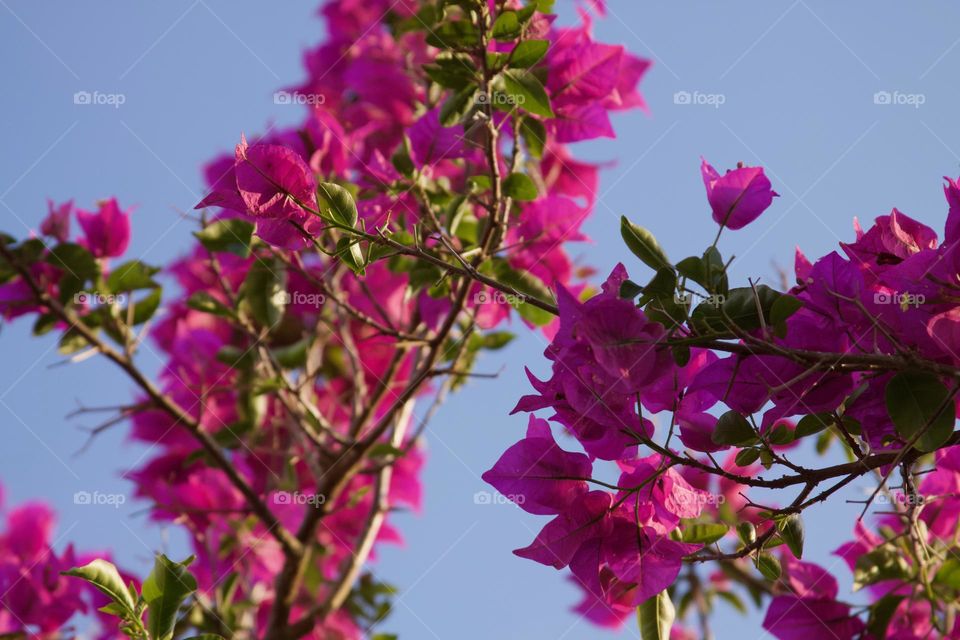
343,270
861,354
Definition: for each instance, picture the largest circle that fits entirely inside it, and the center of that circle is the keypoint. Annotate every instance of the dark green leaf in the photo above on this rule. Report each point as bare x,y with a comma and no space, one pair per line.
231,235
881,613
746,457
733,429
264,293
450,35
75,260
534,133
813,423
348,250
456,107
921,406
780,434
131,276
791,530
643,245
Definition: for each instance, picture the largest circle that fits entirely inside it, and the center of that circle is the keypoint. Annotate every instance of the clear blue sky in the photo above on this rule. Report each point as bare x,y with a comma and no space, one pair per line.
797,82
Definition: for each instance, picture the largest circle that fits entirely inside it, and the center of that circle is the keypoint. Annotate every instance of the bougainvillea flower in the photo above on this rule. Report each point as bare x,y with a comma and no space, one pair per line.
57,223
536,474
106,232
739,196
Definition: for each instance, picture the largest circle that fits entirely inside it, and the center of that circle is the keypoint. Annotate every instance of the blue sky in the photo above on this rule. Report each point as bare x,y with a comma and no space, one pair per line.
851,107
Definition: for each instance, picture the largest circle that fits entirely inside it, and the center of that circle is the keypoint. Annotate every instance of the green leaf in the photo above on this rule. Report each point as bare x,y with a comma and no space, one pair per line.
780,434
452,71
203,301
131,276
164,590
75,260
733,429
741,308
784,307
528,53
655,617
768,566
704,532
457,106
747,457
71,342
693,268
663,284
883,563
791,530
949,573
105,577
231,235
534,133
293,355
449,35
145,308
747,532
520,187
813,423
527,92
348,250
506,27
643,245
881,613
337,204
45,324
497,340
921,406
734,600
264,293
529,286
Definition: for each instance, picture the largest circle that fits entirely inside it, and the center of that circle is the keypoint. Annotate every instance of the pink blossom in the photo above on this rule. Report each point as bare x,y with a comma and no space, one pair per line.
540,477
739,196
106,232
